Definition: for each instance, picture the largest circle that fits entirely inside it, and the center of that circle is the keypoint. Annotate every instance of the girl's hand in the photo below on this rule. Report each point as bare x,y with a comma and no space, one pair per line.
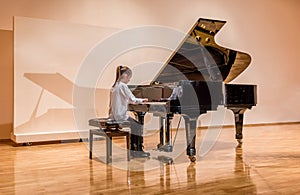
145,100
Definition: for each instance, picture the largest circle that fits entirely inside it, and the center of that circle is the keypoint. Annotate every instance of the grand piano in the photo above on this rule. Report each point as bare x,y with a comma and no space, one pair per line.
195,79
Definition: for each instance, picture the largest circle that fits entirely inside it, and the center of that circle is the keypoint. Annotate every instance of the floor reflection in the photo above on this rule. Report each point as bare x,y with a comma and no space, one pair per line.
169,178
239,182
257,168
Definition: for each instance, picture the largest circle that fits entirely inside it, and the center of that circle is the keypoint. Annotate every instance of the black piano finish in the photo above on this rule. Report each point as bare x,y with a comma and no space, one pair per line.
197,96
242,95
199,58
200,71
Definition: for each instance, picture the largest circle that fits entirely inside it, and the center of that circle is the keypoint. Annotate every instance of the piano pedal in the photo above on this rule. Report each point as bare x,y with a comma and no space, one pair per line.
165,159
165,148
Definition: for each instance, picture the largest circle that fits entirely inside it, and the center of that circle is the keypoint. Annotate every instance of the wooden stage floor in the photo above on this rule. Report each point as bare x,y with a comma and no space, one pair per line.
267,163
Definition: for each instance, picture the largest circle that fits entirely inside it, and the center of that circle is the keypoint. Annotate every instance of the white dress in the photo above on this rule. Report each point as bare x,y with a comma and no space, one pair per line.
120,97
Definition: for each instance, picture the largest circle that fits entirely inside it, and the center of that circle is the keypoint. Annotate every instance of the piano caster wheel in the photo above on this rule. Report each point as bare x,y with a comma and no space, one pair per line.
27,144
192,158
240,141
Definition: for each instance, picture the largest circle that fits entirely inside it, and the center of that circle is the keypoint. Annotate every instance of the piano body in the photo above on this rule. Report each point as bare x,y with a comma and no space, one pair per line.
199,71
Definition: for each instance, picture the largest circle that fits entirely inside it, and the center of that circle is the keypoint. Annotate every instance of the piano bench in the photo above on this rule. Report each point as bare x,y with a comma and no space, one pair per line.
109,130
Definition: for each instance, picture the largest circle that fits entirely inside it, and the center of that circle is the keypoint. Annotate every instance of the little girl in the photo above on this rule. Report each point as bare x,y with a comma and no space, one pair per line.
120,96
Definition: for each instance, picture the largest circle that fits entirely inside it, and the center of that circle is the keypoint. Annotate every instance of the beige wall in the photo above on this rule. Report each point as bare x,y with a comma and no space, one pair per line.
47,55
6,84
268,30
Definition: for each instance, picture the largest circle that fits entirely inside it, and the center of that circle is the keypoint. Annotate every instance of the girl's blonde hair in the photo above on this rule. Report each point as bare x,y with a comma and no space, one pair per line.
120,71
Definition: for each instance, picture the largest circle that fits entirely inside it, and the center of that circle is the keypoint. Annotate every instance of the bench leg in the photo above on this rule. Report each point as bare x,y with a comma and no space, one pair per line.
108,149
128,147
91,144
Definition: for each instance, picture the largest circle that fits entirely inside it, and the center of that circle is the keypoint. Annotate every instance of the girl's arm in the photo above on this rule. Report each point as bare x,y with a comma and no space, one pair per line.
131,97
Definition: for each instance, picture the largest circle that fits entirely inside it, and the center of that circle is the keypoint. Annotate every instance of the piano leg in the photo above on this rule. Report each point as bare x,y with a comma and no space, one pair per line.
190,128
161,132
168,136
164,134
140,117
238,117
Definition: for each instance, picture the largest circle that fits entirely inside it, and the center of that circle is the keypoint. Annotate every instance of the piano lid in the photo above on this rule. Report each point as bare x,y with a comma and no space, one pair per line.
198,57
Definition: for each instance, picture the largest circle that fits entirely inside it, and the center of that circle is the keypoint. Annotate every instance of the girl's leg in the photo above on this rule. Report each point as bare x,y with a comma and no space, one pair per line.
136,139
